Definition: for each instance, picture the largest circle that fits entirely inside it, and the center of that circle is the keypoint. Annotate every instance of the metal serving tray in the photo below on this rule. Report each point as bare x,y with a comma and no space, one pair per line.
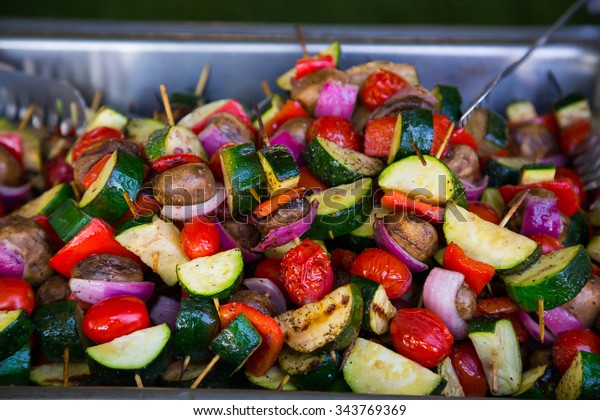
128,61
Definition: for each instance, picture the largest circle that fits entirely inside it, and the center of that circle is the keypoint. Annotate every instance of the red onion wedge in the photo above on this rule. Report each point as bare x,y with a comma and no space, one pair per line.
212,139
280,236
439,296
384,240
185,213
11,260
534,329
164,310
474,191
558,160
294,145
92,291
11,197
559,320
228,242
541,215
336,99
266,286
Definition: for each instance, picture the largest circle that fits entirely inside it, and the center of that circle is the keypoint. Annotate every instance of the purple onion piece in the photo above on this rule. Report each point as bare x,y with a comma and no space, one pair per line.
266,286
164,310
336,99
541,215
534,329
474,191
212,139
92,291
11,261
439,296
559,320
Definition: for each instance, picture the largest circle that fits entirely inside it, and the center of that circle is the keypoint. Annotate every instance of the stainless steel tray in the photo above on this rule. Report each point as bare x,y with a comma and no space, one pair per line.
128,61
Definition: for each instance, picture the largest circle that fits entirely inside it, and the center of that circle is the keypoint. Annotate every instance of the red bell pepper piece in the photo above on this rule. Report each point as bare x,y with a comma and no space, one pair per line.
441,126
289,110
42,221
171,161
477,274
397,200
563,189
379,134
305,66
462,136
13,142
94,136
94,172
96,238
266,354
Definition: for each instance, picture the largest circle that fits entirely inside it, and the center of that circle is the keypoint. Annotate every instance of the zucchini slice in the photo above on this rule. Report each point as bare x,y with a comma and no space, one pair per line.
271,380
539,383
571,108
144,352
157,238
453,387
15,330
489,129
337,165
450,101
171,140
434,183
68,220
537,172
14,370
493,197
236,342
341,209
413,126
51,374
373,369
48,202
483,241
582,379
196,324
579,231
280,169
215,378
504,170
363,236
378,309
310,371
215,276
107,117
520,111
329,324
139,129
555,278
498,349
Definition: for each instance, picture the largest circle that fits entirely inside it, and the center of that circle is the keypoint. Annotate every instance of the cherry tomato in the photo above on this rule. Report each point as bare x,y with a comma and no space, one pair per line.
380,86
94,136
469,369
57,171
574,135
384,268
569,343
421,335
577,184
308,180
548,243
343,259
335,129
16,294
114,317
484,210
307,273
200,238
270,268
496,306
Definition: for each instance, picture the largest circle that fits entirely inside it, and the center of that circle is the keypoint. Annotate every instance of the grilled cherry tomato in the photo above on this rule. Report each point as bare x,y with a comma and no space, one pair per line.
200,238
94,136
548,243
469,370
307,273
114,317
270,268
16,294
484,210
574,135
563,172
382,267
335,129
57,171
380,86
421,336
569,343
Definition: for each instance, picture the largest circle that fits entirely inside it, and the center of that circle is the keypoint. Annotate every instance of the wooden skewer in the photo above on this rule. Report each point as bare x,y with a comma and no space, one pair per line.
66,367
184,366
74,115
266,88
297,241
489,287
261,125
167,104
155,261
202,80
26,117
300,37
494,376
207,369
421,301
96,101
330,233
514,208
347,354
283,382
254,194
216,302
440,151
541,319
333,355
419,154
138,380
135,213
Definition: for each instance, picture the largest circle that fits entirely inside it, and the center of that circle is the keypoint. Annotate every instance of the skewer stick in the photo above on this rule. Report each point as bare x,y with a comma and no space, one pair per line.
202,80
167,104
135,213
347,354
333,355
541,319
494,376
74,115
66,367
330,233
261,125
489,287
421,301
297,241
514,208
207,369
283,382
26,117
155,262
266,89
440,151
184,366
216,302
254,194
138,380
419,154
96,101
300,37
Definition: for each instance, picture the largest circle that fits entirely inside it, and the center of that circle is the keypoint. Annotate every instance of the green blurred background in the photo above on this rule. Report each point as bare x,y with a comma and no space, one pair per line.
446,12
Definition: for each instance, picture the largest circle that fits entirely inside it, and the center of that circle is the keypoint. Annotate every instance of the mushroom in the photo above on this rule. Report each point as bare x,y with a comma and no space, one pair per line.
416,236
183,185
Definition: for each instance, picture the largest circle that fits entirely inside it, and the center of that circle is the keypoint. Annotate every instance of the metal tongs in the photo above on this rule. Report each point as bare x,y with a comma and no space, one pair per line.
593,7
